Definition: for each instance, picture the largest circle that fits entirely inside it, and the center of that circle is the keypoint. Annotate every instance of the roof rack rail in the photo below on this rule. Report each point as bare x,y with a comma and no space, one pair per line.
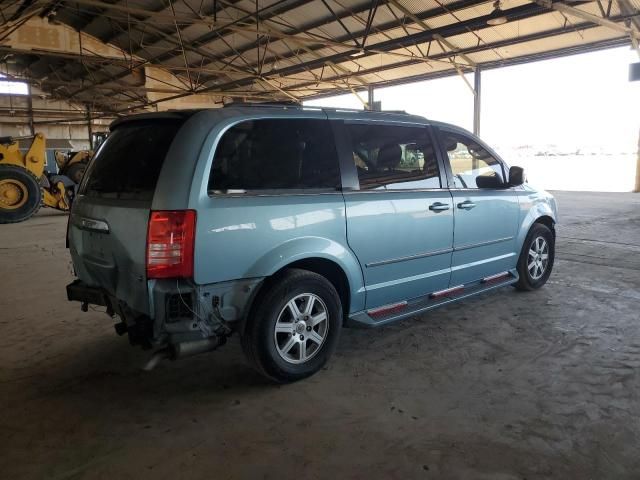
357,110
292,104
284,103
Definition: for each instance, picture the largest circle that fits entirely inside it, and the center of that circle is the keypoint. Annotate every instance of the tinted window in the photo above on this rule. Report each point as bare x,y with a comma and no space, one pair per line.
128,163
276,154
393,157
472,165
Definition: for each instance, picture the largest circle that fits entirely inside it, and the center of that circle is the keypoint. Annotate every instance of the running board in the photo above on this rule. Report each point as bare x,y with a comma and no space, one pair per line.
396,311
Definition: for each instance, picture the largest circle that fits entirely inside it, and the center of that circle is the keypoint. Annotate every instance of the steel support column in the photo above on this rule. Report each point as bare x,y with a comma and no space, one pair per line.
370,98
32,130
89,129
637,188
477,99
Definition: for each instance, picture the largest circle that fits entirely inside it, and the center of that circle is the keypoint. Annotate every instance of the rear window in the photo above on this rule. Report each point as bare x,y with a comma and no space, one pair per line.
275,154
128,163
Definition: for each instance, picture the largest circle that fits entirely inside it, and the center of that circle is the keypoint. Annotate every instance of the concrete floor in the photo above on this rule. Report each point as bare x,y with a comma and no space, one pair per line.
503,386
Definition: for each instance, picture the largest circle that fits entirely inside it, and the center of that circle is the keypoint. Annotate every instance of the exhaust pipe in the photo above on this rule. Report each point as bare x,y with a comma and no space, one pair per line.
156,358
184,349
187,349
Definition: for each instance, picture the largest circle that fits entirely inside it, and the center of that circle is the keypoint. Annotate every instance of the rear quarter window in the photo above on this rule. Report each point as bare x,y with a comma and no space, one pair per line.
275,155
128,163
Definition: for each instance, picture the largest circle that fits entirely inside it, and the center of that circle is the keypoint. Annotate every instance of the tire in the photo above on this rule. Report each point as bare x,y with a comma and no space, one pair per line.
540,240
20,194
280,355
75,172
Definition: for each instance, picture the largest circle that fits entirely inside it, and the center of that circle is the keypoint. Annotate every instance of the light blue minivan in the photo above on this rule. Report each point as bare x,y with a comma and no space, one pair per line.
285,223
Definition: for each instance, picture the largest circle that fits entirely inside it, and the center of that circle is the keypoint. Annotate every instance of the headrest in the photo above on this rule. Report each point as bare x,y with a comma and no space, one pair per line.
450,143
389,156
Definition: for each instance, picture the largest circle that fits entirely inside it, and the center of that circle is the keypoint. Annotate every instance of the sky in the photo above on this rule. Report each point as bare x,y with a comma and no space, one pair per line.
12,88
581,101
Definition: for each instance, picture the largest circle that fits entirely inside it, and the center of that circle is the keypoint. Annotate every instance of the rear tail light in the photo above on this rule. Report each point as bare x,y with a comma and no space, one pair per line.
170,239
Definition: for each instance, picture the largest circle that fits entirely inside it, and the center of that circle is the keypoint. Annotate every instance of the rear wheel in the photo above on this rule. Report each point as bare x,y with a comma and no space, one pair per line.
20,194
536,259
294,326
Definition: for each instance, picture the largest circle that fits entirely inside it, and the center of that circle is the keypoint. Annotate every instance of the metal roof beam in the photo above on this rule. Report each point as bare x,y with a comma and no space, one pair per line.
516,13
309,49
475,49
219,29
163,36
576,12
460,4
534,57
234,27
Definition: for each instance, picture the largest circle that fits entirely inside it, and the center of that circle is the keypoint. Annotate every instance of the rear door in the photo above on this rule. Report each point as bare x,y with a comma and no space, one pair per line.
108,224
486,210
399,218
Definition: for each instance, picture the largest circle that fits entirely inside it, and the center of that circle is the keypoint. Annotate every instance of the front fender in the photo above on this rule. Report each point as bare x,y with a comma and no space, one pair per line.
535,205
314,247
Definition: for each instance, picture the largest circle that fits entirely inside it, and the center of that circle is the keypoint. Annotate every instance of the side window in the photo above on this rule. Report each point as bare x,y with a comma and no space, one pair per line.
471,164
275,154
393,157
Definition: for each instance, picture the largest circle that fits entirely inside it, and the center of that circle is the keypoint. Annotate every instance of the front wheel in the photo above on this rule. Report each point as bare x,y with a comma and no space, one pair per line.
536,259
294,327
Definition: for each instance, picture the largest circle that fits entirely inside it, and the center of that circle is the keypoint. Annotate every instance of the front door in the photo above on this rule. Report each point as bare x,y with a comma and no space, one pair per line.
486,210
399,218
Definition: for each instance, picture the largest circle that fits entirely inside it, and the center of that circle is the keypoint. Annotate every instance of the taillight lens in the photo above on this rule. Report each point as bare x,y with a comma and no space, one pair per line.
170,239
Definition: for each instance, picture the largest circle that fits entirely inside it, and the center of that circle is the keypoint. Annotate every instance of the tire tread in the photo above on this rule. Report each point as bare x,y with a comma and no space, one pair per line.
524,284
272,293
5,218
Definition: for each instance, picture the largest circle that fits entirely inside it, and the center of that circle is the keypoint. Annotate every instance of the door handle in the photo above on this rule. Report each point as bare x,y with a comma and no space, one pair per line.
466,205
438,207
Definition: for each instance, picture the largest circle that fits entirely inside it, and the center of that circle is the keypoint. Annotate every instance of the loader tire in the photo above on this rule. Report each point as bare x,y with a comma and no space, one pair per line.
75,172
20,194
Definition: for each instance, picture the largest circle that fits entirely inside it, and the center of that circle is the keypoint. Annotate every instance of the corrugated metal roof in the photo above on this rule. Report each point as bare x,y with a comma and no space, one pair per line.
288,49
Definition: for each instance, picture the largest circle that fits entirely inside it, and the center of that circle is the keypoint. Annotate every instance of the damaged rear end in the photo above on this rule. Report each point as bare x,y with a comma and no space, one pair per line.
137,261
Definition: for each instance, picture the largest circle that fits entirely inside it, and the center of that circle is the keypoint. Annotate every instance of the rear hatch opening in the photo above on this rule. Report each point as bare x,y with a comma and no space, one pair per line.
108,228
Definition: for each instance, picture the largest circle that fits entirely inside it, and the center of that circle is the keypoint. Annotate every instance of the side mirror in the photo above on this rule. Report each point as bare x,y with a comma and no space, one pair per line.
516,176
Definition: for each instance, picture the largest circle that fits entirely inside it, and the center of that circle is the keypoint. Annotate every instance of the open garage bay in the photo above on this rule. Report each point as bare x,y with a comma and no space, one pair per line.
510,385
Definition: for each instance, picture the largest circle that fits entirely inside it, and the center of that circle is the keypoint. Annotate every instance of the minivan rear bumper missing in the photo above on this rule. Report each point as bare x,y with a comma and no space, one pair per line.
78,291
181,312
138,327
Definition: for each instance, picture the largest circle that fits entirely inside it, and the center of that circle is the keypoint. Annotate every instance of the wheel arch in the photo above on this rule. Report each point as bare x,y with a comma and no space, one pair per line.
548,222
319,255
329,270
539,213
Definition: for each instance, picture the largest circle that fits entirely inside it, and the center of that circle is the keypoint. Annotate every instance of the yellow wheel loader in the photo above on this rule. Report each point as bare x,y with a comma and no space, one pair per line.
25,185
73,164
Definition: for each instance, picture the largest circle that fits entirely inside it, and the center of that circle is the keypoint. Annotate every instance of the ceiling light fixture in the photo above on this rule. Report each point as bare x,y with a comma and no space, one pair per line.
497,17
51,17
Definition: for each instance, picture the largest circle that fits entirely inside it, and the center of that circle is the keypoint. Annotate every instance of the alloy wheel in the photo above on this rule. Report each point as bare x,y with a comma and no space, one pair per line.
301,328
538,258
